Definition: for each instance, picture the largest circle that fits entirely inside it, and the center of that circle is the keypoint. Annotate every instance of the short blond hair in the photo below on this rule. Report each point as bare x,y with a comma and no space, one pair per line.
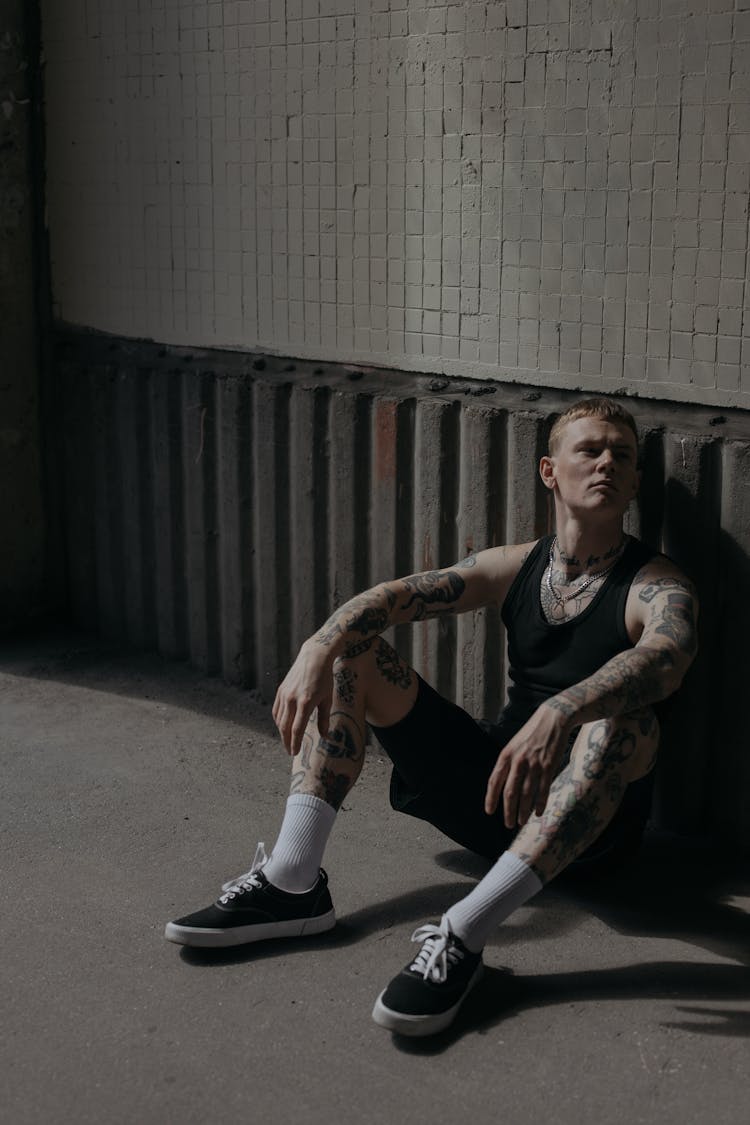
591,408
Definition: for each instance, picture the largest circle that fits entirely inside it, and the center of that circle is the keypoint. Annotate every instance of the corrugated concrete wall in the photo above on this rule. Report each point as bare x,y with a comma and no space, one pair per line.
219,505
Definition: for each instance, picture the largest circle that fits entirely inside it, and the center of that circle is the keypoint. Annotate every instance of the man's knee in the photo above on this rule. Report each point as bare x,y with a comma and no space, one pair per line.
387,683
625,743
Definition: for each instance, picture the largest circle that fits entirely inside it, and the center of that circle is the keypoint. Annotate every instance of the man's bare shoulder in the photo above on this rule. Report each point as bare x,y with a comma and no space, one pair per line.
500,565
658,576
501,558
659,588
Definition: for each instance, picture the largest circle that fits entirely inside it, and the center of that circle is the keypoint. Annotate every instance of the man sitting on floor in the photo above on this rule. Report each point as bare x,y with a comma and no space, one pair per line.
600,628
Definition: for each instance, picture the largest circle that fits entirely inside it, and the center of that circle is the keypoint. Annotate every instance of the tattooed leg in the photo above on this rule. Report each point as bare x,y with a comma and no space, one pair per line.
608,754
371,681
327,767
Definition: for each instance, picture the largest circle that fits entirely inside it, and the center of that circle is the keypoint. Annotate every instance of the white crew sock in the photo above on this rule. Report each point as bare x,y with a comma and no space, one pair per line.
296,856
505,887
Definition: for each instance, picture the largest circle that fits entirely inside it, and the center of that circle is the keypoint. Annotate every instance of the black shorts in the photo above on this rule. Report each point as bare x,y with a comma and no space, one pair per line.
442,759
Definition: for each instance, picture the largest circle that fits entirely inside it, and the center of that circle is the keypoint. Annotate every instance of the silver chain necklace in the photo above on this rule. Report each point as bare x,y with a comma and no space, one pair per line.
561,599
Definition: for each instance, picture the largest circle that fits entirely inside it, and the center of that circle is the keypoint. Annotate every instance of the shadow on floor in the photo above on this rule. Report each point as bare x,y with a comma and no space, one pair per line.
502,994
676,887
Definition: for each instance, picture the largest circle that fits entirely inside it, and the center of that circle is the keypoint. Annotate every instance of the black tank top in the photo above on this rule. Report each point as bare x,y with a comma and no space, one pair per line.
545,659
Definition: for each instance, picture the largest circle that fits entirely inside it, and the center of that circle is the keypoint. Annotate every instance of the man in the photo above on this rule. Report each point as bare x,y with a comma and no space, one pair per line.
600,628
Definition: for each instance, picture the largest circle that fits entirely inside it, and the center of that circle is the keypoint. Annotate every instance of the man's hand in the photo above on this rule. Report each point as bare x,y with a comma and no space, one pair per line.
308,684
527,766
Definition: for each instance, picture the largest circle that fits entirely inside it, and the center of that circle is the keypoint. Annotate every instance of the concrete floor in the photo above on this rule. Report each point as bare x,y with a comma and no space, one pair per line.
132,788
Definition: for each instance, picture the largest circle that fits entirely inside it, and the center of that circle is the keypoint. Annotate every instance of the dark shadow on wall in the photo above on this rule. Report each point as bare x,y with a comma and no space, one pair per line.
704,769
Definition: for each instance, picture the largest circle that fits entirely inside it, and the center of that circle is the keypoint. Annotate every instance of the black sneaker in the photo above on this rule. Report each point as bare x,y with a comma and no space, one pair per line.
252,909
425,996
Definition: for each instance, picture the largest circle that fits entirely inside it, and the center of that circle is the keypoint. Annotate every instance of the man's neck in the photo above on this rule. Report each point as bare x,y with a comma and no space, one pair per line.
580,550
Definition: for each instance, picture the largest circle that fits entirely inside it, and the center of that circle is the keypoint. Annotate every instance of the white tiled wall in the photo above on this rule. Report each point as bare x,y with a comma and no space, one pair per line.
554,191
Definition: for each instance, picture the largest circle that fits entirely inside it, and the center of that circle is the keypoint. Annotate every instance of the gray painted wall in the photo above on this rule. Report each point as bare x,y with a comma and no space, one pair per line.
22,541
219,504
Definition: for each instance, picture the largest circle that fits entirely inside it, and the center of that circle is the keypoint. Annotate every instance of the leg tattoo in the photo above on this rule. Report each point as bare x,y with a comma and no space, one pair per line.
586,793
391,666
344,680
328,765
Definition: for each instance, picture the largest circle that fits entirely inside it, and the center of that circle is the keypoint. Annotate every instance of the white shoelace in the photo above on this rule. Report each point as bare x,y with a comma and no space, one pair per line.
437,952
249,879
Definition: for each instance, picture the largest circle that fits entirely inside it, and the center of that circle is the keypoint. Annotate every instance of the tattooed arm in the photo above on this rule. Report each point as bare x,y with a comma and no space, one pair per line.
660,616
415,598
662,607
479,580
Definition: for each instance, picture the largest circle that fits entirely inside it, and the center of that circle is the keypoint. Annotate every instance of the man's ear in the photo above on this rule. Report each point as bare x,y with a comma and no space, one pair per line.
547,471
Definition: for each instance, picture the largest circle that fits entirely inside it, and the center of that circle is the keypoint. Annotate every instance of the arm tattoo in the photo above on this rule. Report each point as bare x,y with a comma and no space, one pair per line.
370,613
438,589
344,679
467,563
676,621
328,632
365,614
391,667
650,589
629,681
369,621
359,647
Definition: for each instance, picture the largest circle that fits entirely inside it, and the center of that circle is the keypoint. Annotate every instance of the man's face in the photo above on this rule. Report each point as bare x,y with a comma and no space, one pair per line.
594,468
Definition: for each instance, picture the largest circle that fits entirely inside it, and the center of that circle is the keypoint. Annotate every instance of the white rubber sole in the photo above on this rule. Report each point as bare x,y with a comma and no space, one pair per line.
404,1024
244,935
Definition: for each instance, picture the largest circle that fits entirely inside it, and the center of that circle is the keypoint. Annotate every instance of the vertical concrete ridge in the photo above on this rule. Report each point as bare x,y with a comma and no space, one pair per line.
201,518
271,533
309,444
646,517
384,488
360,515
133,426
321,465
526,503
480,519
79,489
405,499
301,512
168,516
281,501
435,463
403,508
499,468
235,504
340,534
110,584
